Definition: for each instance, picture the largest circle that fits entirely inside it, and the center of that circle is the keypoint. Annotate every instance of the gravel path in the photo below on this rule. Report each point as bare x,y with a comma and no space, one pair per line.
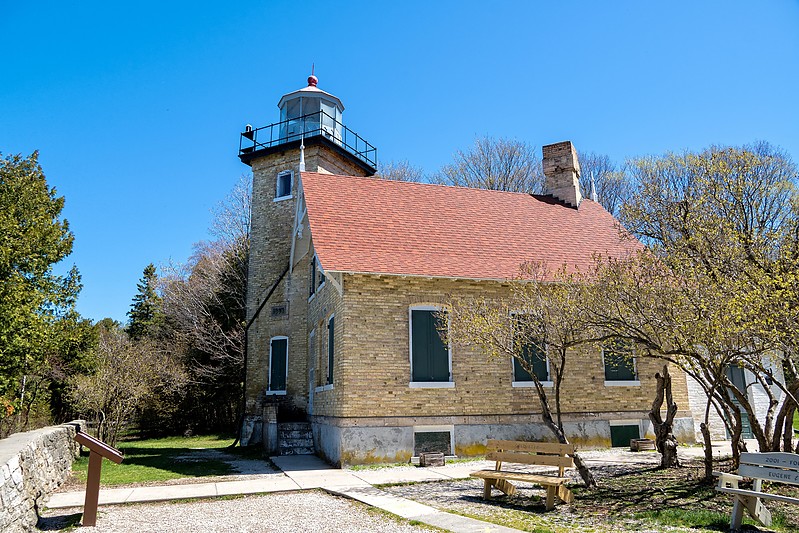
296,512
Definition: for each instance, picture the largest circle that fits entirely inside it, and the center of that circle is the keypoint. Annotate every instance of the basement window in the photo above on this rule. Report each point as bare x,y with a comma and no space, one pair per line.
437,439
622,432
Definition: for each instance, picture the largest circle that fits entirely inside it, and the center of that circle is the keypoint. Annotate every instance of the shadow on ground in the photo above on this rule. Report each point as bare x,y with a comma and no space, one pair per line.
57,523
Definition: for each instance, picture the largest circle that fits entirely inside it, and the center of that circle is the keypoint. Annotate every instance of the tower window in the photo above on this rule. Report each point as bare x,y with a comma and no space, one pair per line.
284,183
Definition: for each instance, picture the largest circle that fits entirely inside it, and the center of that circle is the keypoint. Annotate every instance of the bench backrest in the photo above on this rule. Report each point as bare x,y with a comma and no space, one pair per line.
772,466
530,453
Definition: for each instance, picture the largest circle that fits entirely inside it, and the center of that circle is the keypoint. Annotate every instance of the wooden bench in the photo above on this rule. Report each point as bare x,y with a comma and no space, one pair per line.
529,453
779,467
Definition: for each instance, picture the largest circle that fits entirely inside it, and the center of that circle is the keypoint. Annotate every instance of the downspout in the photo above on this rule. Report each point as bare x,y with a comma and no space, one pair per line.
246,350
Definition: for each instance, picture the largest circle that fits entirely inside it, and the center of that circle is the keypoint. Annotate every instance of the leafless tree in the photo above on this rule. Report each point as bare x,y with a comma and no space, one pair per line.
539,313
497,164
401,170
127,374
204,303
613,184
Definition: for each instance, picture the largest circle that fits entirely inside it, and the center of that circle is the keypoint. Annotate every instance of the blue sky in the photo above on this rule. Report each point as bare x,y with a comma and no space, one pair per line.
136,109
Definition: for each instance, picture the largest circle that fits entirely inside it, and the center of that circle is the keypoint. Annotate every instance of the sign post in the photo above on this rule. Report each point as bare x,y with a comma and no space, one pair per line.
98,450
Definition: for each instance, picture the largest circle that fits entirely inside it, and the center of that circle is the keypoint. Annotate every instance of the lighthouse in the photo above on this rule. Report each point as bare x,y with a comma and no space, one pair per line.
310,136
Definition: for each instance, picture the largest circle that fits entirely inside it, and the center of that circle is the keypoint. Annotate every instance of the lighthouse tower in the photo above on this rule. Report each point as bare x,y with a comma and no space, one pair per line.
310,137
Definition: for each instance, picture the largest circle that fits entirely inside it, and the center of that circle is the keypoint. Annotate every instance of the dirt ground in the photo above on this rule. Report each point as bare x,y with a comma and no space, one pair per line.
629,498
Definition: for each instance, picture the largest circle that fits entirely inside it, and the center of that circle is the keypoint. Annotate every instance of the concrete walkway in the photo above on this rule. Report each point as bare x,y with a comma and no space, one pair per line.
302,472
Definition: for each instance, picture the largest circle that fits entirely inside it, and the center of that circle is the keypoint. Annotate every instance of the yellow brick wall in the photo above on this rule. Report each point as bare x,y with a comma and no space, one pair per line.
325,303
373,362
272,224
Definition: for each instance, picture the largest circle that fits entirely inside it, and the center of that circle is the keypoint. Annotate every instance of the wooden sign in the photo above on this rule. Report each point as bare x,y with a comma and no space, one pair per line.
771,474
99,446
98,449
773,459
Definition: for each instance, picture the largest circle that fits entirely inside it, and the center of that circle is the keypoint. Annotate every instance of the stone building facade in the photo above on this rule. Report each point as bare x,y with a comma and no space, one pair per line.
345,269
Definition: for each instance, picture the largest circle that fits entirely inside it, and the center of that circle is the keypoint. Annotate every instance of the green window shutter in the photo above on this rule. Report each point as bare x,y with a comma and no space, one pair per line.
619,362
430,355
536,358
277,364
330,348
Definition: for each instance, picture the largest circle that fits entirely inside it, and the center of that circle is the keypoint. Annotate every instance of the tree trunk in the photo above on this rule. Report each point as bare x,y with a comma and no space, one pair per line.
787,434
783,427
736,441
664,429
546,414
708,451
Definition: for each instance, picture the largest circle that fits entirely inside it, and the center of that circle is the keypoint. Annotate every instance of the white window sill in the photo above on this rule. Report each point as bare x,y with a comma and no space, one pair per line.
281,198
432,384
329,386
524,384
275,393
311,297
635,383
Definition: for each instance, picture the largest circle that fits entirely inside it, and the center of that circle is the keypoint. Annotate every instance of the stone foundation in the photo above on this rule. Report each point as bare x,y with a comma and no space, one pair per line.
362,441
34,464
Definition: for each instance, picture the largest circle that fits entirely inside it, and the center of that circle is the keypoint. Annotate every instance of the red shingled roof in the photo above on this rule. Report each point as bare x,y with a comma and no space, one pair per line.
370,225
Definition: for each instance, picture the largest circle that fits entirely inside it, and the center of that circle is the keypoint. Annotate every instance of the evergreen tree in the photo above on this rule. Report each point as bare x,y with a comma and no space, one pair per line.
145,311
33,237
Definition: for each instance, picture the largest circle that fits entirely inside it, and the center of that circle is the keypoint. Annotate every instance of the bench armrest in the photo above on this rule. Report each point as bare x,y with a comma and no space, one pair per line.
727,475
727,480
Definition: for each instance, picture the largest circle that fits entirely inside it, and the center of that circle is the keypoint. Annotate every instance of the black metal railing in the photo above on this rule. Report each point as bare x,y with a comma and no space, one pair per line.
318,123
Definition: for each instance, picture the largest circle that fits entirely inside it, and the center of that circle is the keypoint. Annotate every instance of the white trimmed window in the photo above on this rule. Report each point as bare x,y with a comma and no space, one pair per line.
532,361
278,365
285,180
535,358
431,359
618,359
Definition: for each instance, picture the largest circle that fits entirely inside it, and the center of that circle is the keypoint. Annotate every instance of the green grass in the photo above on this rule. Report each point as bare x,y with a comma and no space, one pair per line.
159,460
795,420
703,519
699,518
377,466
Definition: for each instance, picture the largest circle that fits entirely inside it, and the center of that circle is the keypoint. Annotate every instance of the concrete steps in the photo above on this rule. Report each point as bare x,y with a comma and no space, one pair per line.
295,438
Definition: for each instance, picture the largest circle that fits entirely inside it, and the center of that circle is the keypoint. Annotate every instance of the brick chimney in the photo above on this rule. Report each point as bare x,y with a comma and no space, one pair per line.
562,171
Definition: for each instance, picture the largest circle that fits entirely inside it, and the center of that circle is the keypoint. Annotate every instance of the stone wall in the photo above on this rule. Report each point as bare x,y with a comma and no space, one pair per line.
34,464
